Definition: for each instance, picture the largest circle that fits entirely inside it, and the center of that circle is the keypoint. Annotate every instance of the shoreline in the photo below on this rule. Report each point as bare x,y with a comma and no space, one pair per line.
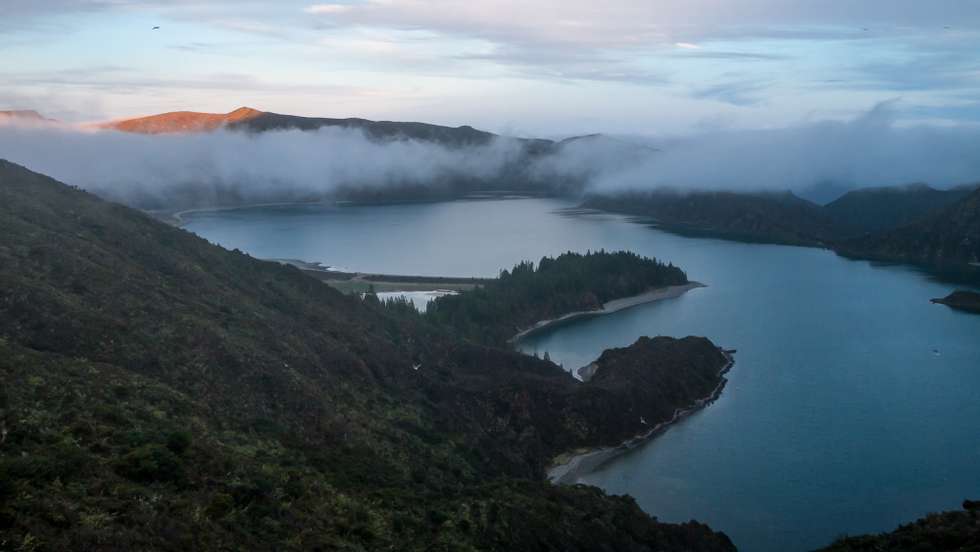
177,217
569,469
616,305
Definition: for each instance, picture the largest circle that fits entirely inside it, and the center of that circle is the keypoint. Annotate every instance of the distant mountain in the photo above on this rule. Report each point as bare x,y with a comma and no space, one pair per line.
162,393
183,121
870,210
516,172
773,217
824,192
949,235
23,115
253,120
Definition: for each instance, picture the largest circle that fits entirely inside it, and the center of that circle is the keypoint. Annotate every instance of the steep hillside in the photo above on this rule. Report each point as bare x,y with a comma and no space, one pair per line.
871,210
764,216
160,392
950,235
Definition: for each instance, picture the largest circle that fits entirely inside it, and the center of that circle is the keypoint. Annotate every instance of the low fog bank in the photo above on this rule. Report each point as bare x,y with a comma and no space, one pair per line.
870,150
221,167
227,167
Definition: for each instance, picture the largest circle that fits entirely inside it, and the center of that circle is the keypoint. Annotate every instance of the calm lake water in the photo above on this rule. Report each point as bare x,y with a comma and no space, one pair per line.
853,406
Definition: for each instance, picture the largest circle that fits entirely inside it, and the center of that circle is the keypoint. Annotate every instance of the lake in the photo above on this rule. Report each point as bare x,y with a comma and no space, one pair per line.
853,406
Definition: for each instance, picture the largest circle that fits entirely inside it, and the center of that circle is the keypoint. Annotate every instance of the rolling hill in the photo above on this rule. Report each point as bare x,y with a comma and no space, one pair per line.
772,217
870,210
950,235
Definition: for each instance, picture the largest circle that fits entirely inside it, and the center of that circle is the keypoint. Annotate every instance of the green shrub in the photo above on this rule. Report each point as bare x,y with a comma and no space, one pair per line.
151,463
179,441
220,505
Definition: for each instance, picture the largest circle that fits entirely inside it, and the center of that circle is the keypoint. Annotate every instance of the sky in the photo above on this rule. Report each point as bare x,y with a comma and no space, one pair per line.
547,68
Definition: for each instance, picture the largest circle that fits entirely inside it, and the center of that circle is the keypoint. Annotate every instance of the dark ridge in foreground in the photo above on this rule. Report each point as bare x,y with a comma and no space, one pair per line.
160,392
968,301
944,532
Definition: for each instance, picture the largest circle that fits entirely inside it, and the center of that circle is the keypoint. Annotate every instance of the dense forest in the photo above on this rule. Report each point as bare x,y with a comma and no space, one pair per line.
948,236
571,282
769,217
947,531
159,392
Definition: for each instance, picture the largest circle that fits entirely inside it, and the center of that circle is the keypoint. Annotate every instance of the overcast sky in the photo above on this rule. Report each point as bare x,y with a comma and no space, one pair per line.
545,67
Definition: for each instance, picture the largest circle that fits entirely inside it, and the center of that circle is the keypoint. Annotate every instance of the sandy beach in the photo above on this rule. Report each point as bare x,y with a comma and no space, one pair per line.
615,305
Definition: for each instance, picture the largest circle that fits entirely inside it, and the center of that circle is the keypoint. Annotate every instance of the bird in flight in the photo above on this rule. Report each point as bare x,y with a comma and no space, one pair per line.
157,27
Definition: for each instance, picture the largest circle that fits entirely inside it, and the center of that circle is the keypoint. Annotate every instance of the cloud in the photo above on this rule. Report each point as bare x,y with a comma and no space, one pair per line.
321,9
739,93
231,167
869,150
220,167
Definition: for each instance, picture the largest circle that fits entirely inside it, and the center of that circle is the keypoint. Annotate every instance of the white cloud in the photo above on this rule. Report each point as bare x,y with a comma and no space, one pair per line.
327,9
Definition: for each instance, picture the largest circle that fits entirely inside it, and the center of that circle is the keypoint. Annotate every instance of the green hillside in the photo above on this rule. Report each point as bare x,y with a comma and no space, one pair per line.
162,393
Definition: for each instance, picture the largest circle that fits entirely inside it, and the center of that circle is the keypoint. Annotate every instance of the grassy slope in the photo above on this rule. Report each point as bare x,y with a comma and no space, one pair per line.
160,392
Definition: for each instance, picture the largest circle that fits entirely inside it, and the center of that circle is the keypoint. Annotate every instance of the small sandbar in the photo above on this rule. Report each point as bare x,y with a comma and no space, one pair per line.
615,305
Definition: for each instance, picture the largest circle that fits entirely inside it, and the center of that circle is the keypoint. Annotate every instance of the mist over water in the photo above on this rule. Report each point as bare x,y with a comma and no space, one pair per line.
153,170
